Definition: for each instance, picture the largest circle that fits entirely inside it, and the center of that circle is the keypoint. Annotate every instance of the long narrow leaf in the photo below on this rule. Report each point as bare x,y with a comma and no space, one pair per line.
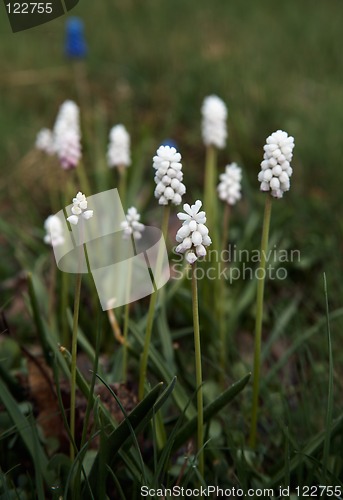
328,421
140,414
30,439
210,411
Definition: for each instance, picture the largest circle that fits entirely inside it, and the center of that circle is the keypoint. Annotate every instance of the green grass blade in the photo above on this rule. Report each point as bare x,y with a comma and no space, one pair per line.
30,439
160,367
210,411
298,342
328,420
37,316
132,432
138,417
313,447
282,321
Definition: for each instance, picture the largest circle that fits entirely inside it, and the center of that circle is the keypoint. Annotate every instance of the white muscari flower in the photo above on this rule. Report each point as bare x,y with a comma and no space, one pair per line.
214,115
45,141
118,153
169,176
79,209
276,170
54,231
131,225
69,152
67,135
229,188
193,235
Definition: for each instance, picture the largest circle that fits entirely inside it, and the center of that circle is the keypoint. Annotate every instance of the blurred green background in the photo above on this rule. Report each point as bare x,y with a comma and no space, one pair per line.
150,65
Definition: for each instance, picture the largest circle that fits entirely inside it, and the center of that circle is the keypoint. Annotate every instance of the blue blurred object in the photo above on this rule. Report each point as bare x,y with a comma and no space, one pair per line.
169,142
75,43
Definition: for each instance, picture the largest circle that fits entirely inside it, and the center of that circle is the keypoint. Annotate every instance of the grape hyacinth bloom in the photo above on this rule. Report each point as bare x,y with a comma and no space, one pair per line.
79,209
193,235
75,43
54,231
214,115
67,135
45,141
169,176
276,171
229,188
118,154
132,226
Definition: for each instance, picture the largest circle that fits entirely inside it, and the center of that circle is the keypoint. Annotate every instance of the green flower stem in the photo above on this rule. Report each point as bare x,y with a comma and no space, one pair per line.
83,179
64,305
73,363
258,323
222,310
52,289
226,225
126,322
122,184
210,194
198,370
152,307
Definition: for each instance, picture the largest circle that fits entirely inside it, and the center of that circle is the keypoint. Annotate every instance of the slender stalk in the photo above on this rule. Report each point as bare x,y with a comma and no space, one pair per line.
122,184
64,305
83,179
210,199
52,289
222,310
74,347
226,224
198,370
126,321
152,307
259,315
73,363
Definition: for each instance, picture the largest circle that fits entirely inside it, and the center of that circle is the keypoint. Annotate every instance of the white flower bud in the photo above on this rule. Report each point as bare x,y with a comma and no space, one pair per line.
131,225
78,209
118,153
214,115
168,176
193,233
275,168
229,188
191,257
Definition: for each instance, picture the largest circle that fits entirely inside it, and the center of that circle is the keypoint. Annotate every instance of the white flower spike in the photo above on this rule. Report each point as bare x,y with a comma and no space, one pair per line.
45,141
54,231
67,135
214,115
79,209
131,225
276,170
118,153
193,237
169,176
229,188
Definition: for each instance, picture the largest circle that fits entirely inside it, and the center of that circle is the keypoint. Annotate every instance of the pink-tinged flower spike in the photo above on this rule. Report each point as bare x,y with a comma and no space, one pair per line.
276,170
54,231
131,225
193,237
169,176
79,209
67,135
229,188
118,153
45,141
214,115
